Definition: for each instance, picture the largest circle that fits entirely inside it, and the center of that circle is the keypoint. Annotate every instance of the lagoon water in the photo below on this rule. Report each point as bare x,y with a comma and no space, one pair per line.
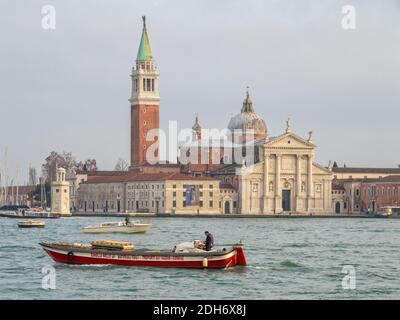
298,258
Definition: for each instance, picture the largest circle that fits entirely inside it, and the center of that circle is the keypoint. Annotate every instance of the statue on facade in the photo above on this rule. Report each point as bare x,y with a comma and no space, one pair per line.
288,126
310,136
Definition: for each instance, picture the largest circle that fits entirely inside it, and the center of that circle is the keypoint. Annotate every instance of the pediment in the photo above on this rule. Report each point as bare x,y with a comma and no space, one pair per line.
318,169
289,141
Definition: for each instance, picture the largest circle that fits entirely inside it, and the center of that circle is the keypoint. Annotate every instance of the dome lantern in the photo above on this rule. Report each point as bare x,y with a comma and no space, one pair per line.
248,120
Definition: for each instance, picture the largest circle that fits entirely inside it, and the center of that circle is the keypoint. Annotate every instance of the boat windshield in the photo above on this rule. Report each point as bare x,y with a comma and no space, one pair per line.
111,224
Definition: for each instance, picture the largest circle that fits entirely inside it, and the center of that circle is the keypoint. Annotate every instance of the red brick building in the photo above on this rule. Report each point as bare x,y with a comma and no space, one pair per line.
375,194
365,195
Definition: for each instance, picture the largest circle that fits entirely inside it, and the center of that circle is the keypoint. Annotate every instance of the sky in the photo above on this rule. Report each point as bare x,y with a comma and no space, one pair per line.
67,89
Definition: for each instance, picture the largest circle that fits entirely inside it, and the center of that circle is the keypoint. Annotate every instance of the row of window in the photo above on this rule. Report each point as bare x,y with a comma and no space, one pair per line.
142,194
145,65
210,204
338,192
143,204
200,186
200,194
145,186
376,191
147,85
92,205
104,187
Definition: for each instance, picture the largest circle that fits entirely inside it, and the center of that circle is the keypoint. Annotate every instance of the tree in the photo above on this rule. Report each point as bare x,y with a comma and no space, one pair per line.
122,165
32,177
68,162
87,165
335,165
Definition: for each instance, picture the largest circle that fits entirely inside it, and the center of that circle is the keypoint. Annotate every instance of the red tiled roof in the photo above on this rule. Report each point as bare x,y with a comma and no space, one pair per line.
102,173
139,176
392,178
366,170
384,179
338,187
106,179
164,176
161,164
226,186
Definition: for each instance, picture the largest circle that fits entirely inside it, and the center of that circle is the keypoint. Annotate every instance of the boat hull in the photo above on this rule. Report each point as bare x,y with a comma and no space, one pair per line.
28,216
146,258
23,226
133,229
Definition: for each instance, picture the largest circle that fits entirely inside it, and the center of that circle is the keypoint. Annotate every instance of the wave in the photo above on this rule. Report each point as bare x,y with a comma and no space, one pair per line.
290,264
257,267
13,247
297,245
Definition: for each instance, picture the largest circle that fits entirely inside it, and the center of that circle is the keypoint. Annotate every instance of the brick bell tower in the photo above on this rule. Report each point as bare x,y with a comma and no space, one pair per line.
145,101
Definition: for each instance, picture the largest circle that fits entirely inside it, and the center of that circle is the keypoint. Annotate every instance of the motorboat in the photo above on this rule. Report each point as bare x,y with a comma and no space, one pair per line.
119,227
31,224
125,254
31,213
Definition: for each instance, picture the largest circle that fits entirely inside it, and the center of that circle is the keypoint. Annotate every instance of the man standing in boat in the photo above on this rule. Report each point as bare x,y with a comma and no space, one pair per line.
208,244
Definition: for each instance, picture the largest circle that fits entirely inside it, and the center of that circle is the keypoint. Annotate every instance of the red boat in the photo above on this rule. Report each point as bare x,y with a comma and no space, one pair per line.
122,253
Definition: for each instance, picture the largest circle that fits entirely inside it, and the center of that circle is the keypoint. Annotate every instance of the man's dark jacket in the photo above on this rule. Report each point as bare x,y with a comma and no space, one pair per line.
209,241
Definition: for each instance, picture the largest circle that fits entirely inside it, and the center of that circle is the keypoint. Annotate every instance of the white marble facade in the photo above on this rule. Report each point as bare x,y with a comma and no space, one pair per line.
286,179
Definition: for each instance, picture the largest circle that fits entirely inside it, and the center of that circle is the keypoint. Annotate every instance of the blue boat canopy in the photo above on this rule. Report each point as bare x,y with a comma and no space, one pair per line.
13,208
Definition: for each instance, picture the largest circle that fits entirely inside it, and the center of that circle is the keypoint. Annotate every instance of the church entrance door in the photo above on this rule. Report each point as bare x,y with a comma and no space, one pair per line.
227,207
286,205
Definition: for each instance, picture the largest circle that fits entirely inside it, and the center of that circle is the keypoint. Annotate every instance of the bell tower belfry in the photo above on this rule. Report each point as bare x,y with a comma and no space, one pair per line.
145,101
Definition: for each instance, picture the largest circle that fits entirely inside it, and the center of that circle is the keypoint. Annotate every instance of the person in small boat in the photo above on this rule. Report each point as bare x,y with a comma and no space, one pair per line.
127,221
208,244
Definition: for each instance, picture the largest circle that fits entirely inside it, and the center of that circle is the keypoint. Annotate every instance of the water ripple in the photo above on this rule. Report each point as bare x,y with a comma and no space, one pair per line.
287,259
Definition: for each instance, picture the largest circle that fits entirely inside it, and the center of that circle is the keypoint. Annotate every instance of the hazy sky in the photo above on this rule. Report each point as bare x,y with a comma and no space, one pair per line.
68,89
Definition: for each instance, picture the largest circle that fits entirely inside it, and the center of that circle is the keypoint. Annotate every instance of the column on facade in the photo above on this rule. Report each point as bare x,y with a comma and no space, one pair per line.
327,195
243,196
298,182
278,202
265,182
310,187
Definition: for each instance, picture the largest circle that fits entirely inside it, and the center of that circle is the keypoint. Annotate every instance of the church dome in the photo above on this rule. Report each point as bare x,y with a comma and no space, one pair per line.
247,119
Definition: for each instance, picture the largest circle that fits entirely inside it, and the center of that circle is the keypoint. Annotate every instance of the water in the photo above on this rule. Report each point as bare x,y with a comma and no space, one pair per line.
287,259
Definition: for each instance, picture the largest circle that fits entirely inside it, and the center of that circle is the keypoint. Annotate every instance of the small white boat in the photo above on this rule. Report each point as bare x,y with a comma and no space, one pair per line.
31,224
118,227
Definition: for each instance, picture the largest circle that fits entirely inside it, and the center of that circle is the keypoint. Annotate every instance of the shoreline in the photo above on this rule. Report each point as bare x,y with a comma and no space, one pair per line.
233,216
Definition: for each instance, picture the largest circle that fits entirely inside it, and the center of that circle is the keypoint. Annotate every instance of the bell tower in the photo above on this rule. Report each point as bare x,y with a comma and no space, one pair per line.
145,101
60,203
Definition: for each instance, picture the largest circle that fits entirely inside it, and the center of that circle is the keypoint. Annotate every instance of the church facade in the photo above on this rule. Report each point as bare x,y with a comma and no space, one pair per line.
286,180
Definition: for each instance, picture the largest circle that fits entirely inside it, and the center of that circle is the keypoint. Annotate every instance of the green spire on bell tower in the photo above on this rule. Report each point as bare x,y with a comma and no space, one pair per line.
144,53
